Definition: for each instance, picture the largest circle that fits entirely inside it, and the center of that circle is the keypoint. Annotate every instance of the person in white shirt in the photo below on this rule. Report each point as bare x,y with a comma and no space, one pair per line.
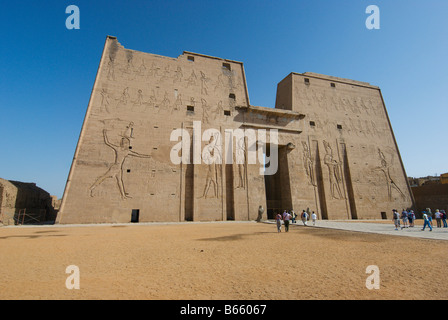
438,217
286,219
426,222
313,217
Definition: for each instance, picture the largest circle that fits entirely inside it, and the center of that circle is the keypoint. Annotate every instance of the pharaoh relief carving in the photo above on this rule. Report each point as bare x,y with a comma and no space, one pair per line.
115,170
334,172
240,160
212,158
308,163
389,181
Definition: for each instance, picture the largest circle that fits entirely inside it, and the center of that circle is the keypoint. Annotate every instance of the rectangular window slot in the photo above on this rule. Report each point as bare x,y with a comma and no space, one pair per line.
312,124
190,58
154,148
232,96
333,85
227,112
190,109
307,81
339,127
129,170
130,147
226,66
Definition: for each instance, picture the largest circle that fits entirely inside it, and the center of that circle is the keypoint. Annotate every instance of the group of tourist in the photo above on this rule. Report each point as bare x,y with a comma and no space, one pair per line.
408,218
290,216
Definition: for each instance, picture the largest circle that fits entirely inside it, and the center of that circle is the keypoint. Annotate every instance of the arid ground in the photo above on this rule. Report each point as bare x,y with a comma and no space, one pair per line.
233,260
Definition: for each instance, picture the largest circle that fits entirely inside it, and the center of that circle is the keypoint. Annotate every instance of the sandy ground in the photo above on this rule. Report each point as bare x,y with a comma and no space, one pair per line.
243,261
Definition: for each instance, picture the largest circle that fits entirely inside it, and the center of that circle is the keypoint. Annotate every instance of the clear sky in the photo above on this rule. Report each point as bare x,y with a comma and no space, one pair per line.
47,71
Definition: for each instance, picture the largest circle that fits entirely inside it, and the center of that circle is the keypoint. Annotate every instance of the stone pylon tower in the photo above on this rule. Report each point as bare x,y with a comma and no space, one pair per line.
176,139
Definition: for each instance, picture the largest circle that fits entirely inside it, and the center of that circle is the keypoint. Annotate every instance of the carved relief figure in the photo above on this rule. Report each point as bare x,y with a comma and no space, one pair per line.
154,70
111,69
334,172
115,171
213,159
152,100
191,81
205,114
178,75
240,157
139,100
203,83
105,100
178,103
220,83
385,168
308,163
124,97
166,73
165,102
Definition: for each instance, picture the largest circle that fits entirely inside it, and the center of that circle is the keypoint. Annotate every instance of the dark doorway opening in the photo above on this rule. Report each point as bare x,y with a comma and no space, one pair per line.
383,215
277,186
135,215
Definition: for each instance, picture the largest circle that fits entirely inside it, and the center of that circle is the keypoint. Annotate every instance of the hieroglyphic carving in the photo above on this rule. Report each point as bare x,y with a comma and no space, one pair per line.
385,168
115,170
334,172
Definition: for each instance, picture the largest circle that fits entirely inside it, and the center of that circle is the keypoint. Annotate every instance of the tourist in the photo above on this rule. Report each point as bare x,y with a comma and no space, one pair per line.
426,222
411,218
286,219
313,217
304,217
396,218
429,213
278,219
443,218
404,218
260,213
438,217
293,216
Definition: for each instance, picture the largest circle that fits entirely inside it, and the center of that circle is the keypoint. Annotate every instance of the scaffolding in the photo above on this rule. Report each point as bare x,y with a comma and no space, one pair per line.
23,217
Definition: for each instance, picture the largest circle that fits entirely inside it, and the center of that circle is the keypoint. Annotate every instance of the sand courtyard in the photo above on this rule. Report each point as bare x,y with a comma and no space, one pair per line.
218,260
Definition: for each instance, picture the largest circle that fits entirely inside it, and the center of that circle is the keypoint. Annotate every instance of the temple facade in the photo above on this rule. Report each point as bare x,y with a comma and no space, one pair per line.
176,139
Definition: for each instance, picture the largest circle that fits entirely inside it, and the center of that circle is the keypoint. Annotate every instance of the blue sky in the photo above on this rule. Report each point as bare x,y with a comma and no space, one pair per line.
47,71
